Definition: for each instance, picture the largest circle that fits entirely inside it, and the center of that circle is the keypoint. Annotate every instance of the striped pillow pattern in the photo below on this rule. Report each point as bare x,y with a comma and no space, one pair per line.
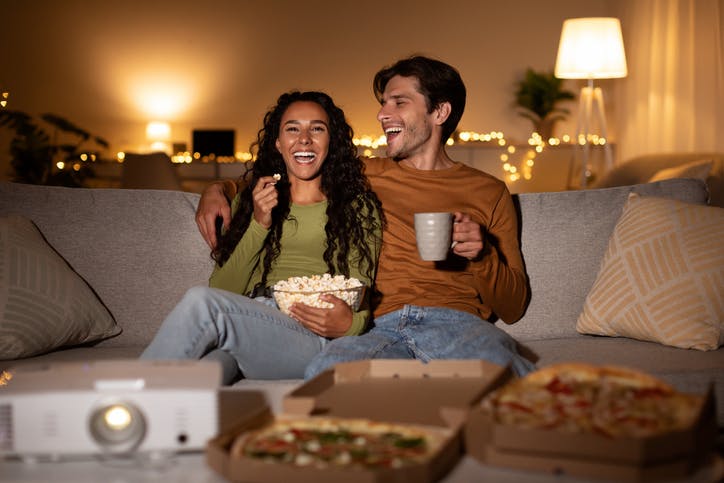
44,304
662,277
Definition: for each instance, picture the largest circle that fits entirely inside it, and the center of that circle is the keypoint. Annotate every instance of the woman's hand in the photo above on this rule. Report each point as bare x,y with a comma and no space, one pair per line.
330,323
265,199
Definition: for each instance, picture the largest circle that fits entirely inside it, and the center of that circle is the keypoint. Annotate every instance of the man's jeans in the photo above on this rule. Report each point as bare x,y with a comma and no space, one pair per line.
425,333
211,323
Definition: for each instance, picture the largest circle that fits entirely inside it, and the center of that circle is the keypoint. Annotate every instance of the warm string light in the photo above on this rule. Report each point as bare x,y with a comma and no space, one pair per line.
238,157
370,142
511,170
496,137
77,165
4,99
187,157
5,378
184,157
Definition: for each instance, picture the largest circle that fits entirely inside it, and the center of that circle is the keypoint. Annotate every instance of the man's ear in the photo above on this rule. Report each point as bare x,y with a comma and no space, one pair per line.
442,112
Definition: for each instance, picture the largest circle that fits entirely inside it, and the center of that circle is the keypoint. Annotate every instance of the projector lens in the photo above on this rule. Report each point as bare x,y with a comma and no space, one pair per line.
117,427
117,418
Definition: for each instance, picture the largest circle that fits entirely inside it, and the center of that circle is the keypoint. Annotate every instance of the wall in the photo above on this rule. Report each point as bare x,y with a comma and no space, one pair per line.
221,63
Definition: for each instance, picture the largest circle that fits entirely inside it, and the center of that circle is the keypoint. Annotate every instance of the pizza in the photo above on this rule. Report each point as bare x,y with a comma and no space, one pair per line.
325,442
583,398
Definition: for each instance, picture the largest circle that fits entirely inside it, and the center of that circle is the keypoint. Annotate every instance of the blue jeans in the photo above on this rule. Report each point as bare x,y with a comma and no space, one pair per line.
251,333
425,333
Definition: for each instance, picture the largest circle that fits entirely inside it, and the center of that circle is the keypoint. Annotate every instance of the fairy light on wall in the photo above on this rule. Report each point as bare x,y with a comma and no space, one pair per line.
512,170
370,142
515,163
496,138
186,157
5,378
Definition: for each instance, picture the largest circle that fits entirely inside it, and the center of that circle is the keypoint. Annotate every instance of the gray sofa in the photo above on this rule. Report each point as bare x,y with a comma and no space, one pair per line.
140,250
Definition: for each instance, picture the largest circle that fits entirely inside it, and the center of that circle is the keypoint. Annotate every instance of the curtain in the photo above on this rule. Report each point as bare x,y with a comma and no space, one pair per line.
673,97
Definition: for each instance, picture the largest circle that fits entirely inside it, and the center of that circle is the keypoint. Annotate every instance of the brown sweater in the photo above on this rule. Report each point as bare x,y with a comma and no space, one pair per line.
495,283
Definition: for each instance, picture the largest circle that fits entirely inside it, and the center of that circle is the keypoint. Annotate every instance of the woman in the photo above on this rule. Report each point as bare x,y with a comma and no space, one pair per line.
319,216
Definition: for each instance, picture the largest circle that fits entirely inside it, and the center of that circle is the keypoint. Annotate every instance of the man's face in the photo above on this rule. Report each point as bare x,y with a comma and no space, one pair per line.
404,118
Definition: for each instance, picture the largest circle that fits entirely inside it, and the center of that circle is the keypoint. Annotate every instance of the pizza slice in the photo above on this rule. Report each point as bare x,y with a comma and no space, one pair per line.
608,400
323,442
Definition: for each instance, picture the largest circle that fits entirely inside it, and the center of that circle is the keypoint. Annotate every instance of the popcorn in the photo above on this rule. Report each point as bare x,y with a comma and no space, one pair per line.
307,290
277,176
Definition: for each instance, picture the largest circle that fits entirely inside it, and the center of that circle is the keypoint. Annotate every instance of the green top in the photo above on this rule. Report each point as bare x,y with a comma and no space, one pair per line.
302,254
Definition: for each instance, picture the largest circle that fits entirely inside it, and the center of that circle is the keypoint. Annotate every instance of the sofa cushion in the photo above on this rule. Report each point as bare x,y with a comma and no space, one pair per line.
44,304
73,354
699,169
140,250
642,168
662,278
564,237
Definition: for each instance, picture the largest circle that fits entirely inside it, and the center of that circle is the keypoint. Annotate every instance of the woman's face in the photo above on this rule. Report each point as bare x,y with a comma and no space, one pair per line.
303,139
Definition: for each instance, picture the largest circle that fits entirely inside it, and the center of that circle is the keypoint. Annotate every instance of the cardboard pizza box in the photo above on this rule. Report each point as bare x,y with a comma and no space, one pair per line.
655,458
435,397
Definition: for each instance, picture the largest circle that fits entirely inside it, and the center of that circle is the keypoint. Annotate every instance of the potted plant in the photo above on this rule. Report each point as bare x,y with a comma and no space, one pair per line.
34,154
538,94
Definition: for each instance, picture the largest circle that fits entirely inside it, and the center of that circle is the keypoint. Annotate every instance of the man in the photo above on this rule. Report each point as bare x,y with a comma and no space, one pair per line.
429,310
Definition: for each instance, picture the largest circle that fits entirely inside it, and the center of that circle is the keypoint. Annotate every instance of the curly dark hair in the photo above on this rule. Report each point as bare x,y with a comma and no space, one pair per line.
351,203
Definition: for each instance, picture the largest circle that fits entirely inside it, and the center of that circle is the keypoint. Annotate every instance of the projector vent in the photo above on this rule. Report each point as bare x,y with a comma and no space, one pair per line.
182,419
50,424
6,428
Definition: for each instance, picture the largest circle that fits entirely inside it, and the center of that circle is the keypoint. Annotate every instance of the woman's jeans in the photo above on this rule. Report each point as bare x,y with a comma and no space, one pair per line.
425,333
252,335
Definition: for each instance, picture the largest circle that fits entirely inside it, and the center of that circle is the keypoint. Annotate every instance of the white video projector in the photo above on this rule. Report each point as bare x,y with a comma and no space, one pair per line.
113,407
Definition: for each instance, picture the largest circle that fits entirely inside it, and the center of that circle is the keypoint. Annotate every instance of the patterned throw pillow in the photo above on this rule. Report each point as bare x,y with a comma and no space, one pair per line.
662,277
44,304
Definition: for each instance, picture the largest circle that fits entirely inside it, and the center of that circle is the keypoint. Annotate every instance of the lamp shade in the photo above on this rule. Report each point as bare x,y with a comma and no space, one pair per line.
591,48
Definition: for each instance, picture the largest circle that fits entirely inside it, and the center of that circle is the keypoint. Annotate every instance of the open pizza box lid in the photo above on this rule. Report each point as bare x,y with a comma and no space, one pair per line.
660,457
435,396
438,393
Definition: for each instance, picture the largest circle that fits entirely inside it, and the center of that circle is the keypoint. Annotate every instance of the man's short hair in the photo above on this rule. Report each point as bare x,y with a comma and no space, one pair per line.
438,81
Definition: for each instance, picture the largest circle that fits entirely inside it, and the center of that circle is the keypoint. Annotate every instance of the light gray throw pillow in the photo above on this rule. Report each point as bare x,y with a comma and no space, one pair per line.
44,304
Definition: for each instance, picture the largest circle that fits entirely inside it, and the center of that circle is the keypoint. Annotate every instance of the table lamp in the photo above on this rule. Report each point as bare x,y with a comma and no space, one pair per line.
159,133
591,48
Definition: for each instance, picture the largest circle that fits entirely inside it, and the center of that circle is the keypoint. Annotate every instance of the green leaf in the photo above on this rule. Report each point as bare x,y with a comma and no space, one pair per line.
34,153
538,93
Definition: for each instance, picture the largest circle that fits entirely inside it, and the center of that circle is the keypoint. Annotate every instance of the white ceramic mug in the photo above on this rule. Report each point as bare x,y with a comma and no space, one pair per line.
433,232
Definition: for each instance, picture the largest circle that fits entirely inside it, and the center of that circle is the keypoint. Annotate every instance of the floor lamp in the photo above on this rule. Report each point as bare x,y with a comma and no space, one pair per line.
591,48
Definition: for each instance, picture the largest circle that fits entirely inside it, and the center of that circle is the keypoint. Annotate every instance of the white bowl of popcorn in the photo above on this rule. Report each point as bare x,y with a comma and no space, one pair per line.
307,290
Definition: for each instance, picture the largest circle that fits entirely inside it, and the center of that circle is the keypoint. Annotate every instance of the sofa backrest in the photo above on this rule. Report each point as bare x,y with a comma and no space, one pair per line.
140,250
641,168
564,236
